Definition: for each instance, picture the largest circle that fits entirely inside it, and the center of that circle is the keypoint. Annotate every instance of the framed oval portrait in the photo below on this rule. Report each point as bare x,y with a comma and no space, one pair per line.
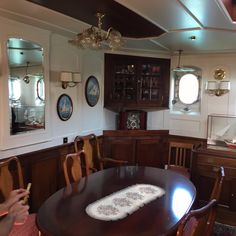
92,91
64,107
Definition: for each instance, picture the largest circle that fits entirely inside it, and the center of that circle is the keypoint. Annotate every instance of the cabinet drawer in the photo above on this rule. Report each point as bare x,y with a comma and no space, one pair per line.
218,161
211,170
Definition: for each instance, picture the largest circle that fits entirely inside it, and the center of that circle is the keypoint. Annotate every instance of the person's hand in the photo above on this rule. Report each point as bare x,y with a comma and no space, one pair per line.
19,212
14,197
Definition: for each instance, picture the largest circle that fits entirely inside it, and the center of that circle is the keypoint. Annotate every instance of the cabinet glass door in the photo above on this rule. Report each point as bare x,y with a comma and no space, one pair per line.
124,84
150,83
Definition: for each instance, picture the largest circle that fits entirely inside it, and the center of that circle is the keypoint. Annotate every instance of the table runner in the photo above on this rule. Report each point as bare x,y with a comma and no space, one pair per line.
124,202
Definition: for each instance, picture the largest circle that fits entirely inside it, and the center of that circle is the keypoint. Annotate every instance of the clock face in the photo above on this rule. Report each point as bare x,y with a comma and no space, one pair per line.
133,120
219,74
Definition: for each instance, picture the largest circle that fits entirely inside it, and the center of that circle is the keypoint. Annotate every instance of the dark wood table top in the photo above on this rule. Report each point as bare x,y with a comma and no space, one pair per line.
64,212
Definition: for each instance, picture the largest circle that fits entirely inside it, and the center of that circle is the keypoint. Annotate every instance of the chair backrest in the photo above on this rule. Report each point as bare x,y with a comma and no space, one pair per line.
72,167
215,194
198,222
10,176
180,154
90,145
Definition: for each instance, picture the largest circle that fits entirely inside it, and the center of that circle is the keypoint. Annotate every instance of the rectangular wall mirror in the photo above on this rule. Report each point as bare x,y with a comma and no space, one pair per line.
26,86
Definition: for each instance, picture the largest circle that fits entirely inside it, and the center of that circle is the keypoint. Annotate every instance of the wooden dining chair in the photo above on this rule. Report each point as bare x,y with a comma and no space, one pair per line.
91,147
72,167
201,221
198,222
11,178
215,194
180,157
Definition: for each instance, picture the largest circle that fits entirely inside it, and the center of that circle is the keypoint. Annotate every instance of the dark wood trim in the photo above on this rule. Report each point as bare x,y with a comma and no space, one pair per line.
117,16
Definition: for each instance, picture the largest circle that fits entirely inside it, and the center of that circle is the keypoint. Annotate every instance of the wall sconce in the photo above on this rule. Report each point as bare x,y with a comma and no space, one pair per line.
69,79
218,87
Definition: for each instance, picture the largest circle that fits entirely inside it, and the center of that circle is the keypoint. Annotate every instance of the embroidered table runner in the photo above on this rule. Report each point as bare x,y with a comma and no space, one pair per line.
119,204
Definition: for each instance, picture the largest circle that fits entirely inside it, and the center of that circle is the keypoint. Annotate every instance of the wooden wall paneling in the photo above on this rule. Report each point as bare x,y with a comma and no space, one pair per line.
121,149
44,179
43,169
142,147
233,194
151,152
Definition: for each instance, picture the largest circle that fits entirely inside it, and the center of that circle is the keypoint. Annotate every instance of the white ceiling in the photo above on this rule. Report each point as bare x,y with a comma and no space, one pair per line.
180,19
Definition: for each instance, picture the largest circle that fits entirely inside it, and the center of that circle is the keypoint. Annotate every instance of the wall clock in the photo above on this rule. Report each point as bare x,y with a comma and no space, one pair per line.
132,120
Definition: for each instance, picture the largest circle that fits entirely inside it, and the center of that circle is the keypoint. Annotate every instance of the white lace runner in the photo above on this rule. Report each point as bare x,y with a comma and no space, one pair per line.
124,202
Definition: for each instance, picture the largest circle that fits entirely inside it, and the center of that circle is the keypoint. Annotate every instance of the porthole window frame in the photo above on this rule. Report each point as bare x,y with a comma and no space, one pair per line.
176,81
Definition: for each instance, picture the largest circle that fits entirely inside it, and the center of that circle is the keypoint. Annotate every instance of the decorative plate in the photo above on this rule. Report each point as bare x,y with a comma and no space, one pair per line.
92,91
64,107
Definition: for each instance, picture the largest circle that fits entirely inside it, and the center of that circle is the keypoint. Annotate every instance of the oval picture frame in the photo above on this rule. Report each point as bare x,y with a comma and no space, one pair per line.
64,107
92,91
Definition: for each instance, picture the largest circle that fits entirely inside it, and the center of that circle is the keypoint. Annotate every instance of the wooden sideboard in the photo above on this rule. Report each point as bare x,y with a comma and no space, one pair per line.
206,162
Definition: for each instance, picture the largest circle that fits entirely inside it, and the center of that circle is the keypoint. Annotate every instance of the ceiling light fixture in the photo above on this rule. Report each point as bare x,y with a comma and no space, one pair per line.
183,69
193,37
96,39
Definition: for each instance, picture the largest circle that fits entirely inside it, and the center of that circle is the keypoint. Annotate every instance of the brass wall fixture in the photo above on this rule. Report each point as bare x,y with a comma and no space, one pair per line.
218,87
70,79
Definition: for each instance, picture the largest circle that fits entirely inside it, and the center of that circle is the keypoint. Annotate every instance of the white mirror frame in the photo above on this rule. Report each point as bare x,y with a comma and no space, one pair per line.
41,37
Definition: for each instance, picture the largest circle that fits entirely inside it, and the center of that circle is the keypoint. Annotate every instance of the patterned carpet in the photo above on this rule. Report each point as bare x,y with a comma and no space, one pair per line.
224,230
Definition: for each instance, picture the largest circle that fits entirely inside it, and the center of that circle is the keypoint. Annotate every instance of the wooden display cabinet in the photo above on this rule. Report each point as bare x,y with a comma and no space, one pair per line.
206,161
133,82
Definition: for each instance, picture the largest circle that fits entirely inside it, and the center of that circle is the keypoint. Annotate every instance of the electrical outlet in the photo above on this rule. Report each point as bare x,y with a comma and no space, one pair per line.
65,140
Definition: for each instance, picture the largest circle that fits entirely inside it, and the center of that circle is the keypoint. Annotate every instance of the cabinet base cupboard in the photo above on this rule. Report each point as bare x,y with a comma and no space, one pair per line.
138,147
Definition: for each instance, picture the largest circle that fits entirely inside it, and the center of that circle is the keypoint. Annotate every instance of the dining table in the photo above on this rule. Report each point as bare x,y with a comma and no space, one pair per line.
119,201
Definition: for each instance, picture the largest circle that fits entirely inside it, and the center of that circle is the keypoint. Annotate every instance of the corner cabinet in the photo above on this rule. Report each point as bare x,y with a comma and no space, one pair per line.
133,82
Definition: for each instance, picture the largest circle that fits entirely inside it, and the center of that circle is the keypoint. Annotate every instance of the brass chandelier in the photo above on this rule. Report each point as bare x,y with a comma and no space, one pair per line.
95,38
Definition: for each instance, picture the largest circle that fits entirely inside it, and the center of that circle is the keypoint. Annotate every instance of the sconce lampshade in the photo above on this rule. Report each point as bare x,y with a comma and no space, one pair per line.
66,76
70,79
225,85
76,77
211,85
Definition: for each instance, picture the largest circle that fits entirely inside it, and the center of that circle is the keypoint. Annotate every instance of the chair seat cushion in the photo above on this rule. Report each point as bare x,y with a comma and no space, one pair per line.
29,228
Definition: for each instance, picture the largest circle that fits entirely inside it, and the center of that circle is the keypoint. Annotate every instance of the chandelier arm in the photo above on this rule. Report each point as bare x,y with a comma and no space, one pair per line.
108,33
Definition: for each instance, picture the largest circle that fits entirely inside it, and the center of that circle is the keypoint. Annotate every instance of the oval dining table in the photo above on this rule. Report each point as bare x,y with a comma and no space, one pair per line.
64,214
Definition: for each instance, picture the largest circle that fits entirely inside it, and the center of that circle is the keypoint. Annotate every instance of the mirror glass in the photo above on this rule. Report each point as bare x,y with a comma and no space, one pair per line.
26,86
